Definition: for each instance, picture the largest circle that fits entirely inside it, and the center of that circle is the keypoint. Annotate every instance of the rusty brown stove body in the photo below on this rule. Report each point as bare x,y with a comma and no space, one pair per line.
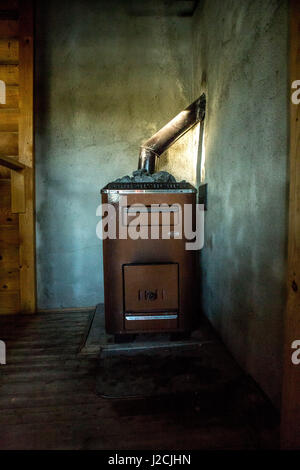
149,283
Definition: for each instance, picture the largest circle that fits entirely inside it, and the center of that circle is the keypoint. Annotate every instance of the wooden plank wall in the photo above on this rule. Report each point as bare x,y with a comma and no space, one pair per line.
17,247
290,423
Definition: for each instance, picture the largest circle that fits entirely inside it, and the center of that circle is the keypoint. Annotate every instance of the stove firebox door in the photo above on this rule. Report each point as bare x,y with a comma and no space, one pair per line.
150,287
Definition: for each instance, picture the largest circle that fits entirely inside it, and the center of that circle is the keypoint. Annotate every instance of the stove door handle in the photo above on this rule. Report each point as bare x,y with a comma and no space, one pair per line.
151,317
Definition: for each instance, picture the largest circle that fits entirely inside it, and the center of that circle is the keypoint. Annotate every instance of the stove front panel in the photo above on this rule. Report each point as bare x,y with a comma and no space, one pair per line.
150,287
133,288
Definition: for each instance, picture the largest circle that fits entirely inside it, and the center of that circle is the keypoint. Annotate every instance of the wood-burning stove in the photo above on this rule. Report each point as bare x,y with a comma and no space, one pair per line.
149,282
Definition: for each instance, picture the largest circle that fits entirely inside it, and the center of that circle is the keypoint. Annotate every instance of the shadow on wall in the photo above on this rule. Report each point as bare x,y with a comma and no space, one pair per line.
243,264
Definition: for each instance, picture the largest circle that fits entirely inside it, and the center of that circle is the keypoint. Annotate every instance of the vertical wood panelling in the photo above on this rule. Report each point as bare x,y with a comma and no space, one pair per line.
9,142
12,97
9,253
9,28
6,216
17,249
9,73
9,51
8,5
9,120
290,427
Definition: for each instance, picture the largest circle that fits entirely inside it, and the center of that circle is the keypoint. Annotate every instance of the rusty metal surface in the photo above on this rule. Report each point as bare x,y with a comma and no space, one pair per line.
119,252
150,287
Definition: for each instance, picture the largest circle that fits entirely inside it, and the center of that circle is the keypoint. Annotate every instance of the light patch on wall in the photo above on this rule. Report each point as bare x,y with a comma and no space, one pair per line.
2,92
195,145
203,155
2,352
181,158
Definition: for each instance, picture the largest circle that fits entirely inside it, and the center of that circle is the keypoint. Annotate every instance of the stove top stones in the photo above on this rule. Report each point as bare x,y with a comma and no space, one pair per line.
141,180
182,187
143,176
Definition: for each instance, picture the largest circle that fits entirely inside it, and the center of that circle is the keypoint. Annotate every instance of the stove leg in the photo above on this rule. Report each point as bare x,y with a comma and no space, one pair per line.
126,338
180,336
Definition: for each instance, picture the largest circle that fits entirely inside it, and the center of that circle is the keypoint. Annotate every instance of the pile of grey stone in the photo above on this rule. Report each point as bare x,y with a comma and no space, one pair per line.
143,176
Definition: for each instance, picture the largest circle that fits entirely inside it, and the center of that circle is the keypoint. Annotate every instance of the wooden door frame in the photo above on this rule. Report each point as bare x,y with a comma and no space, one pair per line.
26,156
290,413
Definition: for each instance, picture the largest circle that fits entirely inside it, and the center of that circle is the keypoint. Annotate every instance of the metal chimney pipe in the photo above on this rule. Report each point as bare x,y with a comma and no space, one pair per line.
151,150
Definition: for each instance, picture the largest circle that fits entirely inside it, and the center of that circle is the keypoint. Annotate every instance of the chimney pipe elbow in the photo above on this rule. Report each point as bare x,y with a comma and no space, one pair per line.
167,135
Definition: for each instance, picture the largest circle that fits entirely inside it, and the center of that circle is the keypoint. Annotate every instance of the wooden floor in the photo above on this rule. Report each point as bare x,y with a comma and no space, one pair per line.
48,400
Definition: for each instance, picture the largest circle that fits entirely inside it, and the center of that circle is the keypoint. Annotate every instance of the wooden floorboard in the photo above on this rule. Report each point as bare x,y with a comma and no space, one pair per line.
48,400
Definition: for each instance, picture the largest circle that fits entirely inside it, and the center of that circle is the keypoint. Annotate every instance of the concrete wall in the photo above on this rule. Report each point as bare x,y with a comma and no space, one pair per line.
106,79
240,62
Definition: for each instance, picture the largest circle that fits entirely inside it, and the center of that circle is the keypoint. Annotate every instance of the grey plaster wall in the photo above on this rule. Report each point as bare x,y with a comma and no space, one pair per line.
240,62
106,80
